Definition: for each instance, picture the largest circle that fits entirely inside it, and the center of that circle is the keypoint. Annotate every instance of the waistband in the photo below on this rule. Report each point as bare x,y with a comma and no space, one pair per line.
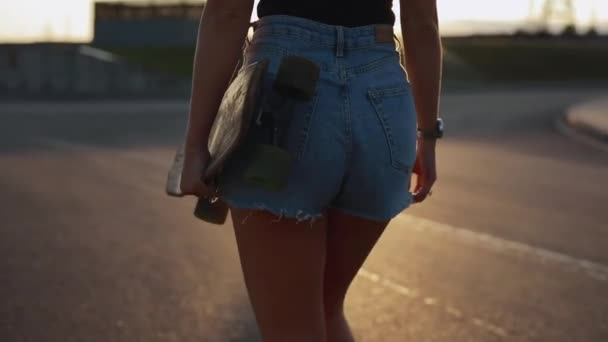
325,34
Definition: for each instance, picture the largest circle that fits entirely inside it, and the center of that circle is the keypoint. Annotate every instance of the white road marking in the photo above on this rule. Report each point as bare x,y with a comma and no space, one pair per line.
430,301
592,269
453,311
402,290
496,330
477,321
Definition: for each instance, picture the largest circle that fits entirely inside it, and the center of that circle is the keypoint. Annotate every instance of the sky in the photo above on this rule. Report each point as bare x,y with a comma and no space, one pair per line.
71,20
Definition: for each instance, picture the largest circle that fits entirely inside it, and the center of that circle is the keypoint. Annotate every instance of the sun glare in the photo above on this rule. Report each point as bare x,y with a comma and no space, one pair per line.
450,10
23,20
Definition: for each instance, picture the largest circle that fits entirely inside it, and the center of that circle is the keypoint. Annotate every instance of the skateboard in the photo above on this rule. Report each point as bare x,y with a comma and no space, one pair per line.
246,103
238,106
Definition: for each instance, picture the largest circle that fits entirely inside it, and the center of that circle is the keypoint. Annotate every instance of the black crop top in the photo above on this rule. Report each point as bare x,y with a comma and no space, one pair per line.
347,13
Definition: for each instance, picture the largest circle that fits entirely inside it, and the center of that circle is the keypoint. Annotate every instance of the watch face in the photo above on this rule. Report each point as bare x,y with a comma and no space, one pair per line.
439,128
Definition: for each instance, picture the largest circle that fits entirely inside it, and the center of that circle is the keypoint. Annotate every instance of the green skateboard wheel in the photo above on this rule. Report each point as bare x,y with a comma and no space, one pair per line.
269,167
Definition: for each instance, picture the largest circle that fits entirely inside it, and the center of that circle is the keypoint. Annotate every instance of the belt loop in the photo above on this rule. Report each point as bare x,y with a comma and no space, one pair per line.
340,41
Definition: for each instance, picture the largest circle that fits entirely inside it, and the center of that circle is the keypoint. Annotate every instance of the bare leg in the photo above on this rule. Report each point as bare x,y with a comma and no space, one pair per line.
350,239
283,265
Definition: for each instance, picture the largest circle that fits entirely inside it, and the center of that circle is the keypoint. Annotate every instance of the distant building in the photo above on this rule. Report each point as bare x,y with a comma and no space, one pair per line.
151,25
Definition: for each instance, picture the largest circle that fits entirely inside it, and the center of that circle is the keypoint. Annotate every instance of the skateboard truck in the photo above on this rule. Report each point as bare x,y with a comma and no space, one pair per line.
296,82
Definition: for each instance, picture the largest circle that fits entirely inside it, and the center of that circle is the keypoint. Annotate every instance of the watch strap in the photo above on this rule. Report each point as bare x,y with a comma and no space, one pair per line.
435,133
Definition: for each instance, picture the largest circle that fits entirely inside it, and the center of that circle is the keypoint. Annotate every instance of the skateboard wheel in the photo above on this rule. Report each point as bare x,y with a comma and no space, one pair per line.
212,212
269,167
297,78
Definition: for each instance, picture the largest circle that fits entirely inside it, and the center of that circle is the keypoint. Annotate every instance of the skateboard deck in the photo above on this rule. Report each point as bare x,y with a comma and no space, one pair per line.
239,105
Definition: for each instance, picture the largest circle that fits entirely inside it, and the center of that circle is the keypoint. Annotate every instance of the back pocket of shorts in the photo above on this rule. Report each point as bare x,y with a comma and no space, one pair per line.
395,109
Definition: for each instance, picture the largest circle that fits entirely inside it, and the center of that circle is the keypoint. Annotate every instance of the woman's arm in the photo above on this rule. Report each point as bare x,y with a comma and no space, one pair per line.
422,47
423,60
223,27
222,31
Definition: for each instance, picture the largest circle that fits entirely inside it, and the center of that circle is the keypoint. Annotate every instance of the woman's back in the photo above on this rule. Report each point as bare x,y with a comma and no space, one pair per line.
348,13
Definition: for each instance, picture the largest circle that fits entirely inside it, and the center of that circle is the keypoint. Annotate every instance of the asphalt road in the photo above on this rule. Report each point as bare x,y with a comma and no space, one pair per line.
511,247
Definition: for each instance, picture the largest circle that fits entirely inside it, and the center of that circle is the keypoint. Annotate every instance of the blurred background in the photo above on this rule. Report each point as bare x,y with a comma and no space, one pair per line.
512,246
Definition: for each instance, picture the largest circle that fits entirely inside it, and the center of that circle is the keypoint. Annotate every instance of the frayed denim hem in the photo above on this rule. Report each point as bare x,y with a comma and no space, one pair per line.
299,215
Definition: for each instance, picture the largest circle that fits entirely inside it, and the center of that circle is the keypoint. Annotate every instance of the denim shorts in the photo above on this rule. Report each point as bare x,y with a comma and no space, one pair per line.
353,146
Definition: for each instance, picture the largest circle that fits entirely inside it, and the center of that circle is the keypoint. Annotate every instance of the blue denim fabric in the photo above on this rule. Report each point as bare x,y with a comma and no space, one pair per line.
354,145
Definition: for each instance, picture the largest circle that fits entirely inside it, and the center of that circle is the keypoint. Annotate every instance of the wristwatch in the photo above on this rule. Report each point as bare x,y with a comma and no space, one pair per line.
435,133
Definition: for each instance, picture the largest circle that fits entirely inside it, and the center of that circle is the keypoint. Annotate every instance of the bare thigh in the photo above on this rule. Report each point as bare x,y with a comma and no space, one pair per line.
350,240
283,266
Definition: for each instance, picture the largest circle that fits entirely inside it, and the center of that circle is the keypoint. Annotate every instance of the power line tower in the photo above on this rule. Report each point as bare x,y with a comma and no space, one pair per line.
594,22
594,16
558,11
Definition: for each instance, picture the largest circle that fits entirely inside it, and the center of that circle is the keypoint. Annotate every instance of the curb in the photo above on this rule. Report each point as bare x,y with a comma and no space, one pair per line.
582,133
578,116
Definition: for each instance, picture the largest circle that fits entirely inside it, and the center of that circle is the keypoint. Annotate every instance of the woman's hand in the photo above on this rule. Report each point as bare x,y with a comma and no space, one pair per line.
195,163
424,168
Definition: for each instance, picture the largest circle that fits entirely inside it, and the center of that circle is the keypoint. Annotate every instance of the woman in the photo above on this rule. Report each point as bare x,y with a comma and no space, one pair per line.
354,148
